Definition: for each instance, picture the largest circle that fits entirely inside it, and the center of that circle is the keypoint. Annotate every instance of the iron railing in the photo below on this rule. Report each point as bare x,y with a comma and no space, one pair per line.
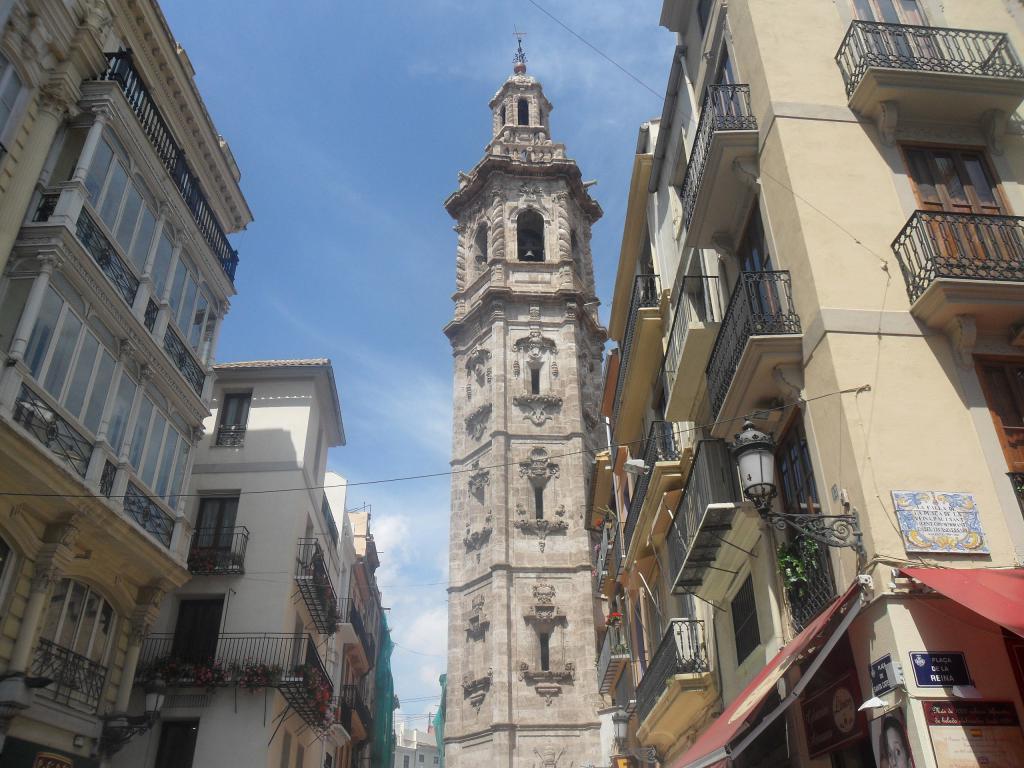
218,551
315,586
815,589
963,246
614,656
148,514
683,650
149,318
602,552
107,478
121,70
77,680
290,663
691,306
1017,478
355,618
924,49
105,255
52,430
725,108
661,445
761,305
47,205
231,435
351,699
646,293
712,480
183,360
625,690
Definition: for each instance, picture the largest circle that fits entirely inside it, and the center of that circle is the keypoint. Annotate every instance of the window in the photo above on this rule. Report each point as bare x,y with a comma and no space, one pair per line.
744,621
1003,385
890,11
534,381
196,630
545,651
189,305
523,108
799,494
215,524
159,452
234,415
435,760
421,758
480,244
70,361
538,501
504,115
956,181
405,761
530,236
177,744
80,620
10,88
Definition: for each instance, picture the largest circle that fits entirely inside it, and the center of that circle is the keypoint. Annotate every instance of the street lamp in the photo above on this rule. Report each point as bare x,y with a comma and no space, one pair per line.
120,728
620,723
754,451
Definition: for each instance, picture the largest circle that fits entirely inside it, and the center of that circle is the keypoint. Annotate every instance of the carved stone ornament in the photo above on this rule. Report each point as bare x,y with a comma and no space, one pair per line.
535,345
538,467
478,480
475,688
541,529
547,683
544,614
476,422
544,594
475,541
478,622
477,366
538,409
549,757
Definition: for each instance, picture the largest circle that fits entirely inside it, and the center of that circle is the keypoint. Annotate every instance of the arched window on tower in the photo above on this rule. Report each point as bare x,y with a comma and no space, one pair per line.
504,115
524,112
480,245
530,236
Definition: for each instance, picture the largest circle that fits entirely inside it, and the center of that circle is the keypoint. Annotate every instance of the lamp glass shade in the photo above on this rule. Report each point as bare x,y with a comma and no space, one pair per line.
757,472
620,721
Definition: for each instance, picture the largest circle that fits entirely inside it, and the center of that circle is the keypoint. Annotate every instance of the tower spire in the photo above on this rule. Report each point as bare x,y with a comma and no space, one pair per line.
519,59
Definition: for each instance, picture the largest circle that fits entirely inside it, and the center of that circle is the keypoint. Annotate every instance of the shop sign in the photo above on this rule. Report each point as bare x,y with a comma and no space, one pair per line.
831,719
969,734
938,521
940,669
26,754
885,675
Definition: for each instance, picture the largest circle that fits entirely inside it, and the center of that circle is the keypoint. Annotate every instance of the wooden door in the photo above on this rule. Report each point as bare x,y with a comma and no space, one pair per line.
197,628
1003,385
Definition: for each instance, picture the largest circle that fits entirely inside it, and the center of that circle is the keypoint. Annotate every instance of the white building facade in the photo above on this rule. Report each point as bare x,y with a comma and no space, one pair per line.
415,748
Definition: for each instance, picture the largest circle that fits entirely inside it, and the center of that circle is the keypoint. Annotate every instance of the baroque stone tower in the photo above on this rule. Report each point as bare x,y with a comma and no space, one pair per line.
527,346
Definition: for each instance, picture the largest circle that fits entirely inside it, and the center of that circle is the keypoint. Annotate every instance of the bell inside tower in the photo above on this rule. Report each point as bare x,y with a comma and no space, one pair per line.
530,236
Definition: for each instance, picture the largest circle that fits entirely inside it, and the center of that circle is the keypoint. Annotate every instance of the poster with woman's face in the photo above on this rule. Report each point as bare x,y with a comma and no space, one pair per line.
890,742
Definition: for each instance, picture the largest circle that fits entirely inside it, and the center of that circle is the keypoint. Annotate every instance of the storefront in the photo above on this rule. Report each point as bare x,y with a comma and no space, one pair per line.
18,753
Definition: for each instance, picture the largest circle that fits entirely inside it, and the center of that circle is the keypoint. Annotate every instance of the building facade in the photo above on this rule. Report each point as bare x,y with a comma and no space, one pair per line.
414,748
117,272
527,348
820,239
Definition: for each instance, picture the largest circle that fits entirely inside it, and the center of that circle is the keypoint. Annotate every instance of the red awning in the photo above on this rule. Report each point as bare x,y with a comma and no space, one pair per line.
718,744
996,594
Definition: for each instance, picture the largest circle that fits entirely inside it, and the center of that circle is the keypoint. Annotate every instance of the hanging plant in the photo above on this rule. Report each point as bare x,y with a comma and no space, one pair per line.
798,561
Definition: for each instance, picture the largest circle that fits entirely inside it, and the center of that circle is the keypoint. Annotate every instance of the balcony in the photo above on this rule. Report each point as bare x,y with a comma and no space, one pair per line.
639,354
760,331
677,687
363,654
315,586
716,186
929,73
53,431
661,457
116,269
231,435
707,527
694,329
147,513
77,680
963,264
183,359
613,659
289,663
218,551
605,555
353,713
121,71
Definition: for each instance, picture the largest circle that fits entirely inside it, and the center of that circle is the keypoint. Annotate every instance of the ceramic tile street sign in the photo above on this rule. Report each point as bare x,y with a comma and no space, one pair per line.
939,521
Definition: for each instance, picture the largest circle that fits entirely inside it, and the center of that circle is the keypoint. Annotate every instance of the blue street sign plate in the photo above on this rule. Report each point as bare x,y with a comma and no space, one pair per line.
940,669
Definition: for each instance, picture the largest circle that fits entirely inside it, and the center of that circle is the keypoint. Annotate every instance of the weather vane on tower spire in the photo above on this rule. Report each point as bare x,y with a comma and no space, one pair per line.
519,60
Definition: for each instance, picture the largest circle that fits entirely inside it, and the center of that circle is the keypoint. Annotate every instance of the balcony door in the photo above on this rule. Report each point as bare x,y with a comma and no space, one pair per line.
1003,385
215,524
195,634
754,257
890,11
177,745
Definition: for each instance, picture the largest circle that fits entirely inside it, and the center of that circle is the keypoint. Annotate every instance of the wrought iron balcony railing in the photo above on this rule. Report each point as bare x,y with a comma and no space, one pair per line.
725,108
52,430
289,663
712,480
355,618
121,70
351,702
106,256
661,445
148,514
602,551
182,357
646,293
614,656
218,551
77,680
47,205
962,246
691,307
683,650
761,305
810,588
231,435
315,586
924,49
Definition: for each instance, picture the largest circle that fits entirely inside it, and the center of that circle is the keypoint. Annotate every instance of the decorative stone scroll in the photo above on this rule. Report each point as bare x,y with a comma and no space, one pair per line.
538,409
475,688
535,345
538,467
478,480
475,541
547,683
476,422
477,622
478,366
543,613
540,528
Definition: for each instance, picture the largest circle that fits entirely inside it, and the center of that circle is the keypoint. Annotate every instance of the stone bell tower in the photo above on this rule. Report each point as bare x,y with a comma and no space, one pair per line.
527,347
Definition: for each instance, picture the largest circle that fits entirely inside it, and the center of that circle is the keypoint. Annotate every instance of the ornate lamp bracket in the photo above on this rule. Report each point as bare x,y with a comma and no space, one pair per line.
838,531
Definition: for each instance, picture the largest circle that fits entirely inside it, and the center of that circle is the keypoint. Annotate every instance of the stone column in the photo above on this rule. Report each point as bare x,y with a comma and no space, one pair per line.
53,103
137,629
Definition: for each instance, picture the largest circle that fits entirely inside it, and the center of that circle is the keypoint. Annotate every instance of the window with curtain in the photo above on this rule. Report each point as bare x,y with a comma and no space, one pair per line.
10,89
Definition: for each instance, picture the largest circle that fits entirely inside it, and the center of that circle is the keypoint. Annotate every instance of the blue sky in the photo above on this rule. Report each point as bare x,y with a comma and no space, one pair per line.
349,122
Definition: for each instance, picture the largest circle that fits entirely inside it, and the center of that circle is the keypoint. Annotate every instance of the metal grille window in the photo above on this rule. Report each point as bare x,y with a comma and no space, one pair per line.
744,621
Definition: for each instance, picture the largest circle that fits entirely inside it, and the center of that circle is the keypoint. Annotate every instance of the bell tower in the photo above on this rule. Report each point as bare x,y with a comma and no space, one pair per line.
527,346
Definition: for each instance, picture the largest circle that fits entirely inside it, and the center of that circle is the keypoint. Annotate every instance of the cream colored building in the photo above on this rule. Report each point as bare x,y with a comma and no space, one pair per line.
821,237
117,274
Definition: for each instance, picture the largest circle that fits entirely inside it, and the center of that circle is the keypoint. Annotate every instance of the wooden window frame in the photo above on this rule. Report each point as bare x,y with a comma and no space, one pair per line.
956,150
997,424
